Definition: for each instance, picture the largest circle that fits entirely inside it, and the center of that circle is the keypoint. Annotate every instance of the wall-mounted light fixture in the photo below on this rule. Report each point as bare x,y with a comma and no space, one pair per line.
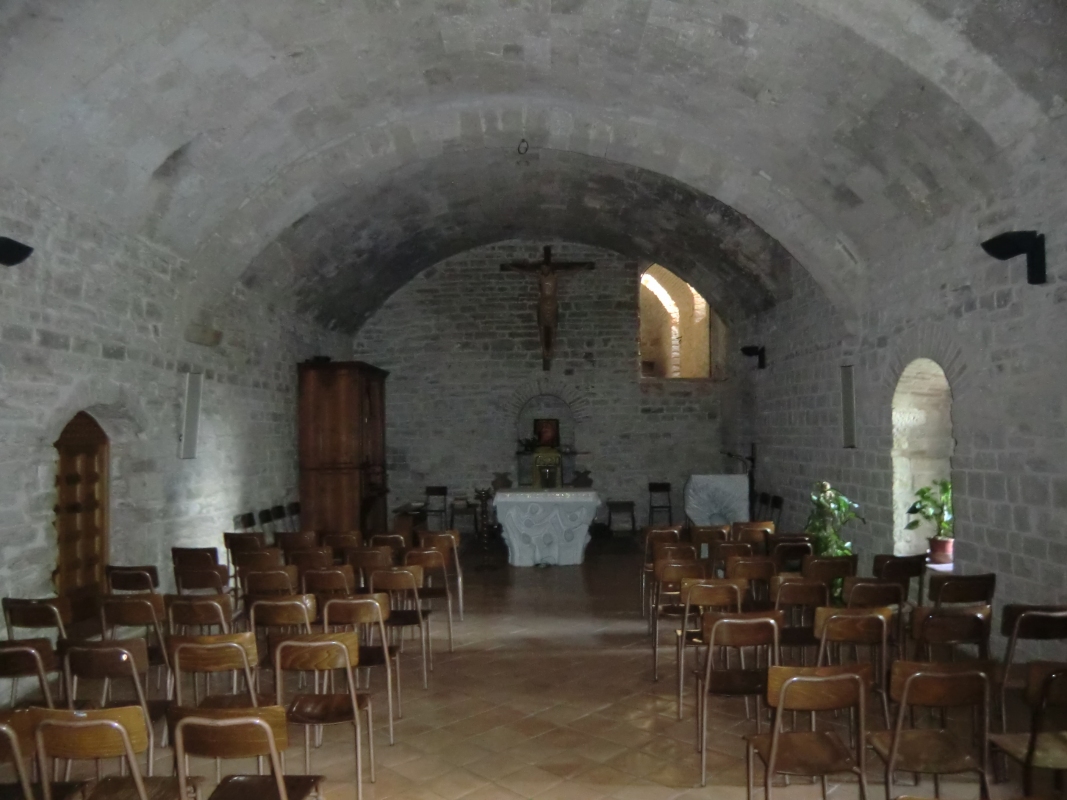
1016,243
756,351
13,253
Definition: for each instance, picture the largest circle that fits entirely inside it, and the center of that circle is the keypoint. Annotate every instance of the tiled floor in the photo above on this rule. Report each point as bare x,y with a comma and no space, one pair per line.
549,695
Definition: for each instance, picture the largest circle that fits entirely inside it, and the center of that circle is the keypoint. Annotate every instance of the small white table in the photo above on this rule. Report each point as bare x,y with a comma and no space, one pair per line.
546,527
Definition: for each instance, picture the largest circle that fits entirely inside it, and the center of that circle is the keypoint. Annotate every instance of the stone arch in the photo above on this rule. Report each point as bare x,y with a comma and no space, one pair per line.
120,415
578,400
929,341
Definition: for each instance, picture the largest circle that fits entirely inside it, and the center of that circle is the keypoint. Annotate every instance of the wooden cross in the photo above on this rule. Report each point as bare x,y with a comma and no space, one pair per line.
547,302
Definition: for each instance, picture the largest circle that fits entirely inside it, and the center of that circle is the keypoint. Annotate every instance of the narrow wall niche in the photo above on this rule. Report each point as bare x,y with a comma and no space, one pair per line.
922,445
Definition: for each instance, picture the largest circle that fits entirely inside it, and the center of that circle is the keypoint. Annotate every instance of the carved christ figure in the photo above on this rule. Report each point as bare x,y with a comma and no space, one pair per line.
547,273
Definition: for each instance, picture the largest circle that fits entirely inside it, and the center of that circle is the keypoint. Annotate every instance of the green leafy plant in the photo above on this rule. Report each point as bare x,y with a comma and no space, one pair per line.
830,512
934,505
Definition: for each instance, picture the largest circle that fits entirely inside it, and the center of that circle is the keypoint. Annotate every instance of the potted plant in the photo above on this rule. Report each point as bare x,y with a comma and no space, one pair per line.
830,512
934,504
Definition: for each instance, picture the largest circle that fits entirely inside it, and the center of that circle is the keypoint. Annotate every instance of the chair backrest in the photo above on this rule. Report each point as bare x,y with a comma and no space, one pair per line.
436,540
754,533
717,593
669,573
224,652
96,733
436,498
828,568
966,625
659,487
397,579
674,551
293,510
789,554
273,581
144,578
16,744
244,542
245,521
654,537
745,629
296,540
335,580
339,542
943,589
194,557
199,611
212,579
313,652
708,534
29,658
47,612
279,517
283,610
753,568
312,558
1029,622
394,541
265,558
939,685
902,569
723,551
1046,685
114,658
147,609
861,592
230,733
818,688
853,625
799,593
367,560
430,559
365,609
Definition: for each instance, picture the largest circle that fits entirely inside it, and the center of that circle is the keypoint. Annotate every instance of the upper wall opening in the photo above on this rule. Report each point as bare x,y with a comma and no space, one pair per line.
681,335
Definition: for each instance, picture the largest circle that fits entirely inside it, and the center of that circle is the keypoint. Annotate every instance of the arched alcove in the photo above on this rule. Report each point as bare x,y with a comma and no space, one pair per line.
546,406
922,445
681,335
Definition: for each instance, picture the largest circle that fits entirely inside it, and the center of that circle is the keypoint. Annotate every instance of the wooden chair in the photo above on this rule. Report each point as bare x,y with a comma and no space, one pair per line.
699,595
668,600
16,745
798,600
279,518
1040,748
365,561
339,542
756,534
263,558
28,658
47,612
111,661
707,536
962,589
292,510
859,627
243,542
312,558
1019,622
437,505
335,581
266,520
950,628
814,753
240,733
860,592
228,652
320,653
96,734
270,582
659,501
827,569
194,557
292,613
245,521
366,615
722,633
935,751
652,538
296,540
723,551
789,556
201,612
211,579
402,584
394,541
146,611
758,571
903,570
448,543
435,581
138,579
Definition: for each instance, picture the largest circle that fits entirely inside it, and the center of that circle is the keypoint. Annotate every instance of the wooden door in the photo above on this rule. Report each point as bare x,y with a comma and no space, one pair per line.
81,512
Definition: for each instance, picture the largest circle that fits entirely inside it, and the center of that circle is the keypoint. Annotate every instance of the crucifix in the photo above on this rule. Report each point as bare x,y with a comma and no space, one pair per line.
547,306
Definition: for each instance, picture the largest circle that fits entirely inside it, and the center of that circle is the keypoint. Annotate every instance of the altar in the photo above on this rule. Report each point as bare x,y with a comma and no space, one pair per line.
547,526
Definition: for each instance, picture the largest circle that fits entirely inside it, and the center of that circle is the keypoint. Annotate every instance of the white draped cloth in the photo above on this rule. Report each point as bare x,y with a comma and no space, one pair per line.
716,499
546,527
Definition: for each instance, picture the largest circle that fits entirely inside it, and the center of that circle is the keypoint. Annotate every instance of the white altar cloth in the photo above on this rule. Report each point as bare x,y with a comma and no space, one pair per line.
716,499
546,527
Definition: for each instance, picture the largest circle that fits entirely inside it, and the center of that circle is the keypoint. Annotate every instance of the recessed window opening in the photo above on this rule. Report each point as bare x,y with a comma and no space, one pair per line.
681,336
922,446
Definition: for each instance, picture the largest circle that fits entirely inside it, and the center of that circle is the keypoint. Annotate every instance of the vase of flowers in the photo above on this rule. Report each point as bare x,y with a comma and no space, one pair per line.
934,504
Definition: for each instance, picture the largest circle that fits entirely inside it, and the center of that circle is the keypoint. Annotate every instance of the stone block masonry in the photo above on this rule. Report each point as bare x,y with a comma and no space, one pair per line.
91,323
460,342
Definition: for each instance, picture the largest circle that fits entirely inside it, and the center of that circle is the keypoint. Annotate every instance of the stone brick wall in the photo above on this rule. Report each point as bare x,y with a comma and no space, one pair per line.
460,342
90,323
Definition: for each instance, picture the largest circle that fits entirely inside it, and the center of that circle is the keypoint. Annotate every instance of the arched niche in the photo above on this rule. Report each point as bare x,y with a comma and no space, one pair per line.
546,406
922,445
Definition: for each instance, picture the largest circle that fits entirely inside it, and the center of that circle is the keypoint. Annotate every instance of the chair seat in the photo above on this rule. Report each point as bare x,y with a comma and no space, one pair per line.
798,637
806,752
374,656
405,617
1049,753
925,750
239,700
736,682
324,709
115,787
263,787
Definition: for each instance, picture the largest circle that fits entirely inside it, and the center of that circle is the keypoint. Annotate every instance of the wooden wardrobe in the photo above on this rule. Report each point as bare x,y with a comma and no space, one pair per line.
342,447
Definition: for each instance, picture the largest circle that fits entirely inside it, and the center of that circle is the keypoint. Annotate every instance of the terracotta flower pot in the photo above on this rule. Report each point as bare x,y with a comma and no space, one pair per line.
940,550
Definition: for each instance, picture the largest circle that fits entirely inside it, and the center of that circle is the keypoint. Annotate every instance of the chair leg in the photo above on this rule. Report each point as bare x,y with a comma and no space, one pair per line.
748,771
424,636
396,674
451,644
359,758
680,658
655,646
703,737
370,740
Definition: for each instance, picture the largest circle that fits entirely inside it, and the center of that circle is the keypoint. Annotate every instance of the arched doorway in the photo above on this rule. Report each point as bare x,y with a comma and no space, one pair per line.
922,445
81,512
